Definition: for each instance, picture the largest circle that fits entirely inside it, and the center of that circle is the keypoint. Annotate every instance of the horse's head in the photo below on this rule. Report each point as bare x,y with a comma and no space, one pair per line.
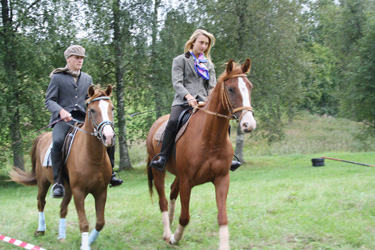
237,88
100,114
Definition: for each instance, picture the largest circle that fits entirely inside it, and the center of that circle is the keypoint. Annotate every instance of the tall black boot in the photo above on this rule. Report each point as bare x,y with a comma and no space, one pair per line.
57,190
166,146
114,180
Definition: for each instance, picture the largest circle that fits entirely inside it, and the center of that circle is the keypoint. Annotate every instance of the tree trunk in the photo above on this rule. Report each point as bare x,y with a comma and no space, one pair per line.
240,138
125,163
12,82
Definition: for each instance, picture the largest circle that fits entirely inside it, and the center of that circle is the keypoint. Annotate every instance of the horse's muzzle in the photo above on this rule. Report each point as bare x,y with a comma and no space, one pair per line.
248,123
108,136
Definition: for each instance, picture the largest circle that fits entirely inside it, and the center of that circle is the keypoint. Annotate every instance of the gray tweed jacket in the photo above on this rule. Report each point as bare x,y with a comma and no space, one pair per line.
185,80
64,93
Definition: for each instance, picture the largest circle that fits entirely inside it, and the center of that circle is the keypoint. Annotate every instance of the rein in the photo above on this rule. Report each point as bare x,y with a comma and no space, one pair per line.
228,104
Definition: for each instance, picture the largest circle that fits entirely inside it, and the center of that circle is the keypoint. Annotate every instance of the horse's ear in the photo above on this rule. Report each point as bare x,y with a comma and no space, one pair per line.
108,91
91,90
229,66
246,66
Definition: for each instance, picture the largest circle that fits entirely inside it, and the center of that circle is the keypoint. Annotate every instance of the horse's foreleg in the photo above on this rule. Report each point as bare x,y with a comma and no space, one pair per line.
42,192
221,188
63,212
79,201
163,204
185,191
100,201
172,200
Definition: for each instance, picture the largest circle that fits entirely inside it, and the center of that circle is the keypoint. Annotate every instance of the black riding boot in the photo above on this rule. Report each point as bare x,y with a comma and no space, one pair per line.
164,152
114,180
57,189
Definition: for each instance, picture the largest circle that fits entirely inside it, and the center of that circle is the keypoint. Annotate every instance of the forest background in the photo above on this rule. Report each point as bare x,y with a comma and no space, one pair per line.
316,56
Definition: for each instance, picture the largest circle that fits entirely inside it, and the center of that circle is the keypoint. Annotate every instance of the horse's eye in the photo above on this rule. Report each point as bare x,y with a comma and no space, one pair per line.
92,110
231,90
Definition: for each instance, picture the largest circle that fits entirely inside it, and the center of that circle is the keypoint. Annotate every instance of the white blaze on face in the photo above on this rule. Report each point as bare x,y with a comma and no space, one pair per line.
247,122
108,132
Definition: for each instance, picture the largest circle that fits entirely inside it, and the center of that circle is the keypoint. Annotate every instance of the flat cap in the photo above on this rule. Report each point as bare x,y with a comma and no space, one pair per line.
74,50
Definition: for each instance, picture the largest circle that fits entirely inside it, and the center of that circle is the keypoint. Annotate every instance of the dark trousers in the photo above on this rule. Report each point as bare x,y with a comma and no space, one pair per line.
171,130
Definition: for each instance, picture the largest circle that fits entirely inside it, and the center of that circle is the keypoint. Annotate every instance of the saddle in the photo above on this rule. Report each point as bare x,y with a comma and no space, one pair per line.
68,141
183,121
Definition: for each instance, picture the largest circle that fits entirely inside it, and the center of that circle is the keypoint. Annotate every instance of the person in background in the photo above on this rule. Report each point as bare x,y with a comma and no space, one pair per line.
65,99
193,76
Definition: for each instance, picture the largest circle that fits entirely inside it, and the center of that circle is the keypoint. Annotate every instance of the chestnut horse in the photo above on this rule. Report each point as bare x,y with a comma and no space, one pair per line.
88,167
204,152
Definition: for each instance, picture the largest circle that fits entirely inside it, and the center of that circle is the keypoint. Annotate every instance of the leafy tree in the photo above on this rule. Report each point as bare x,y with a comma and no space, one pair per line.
25,59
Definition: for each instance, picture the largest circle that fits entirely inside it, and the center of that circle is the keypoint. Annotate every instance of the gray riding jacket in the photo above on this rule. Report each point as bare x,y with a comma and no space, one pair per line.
64,93
185,79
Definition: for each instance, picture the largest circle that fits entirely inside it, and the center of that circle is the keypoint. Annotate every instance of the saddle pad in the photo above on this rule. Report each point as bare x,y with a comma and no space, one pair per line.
47,157
159,135
68,141
160,132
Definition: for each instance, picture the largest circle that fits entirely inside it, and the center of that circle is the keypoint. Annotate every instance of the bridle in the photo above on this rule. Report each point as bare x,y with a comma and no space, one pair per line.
228,105
98,128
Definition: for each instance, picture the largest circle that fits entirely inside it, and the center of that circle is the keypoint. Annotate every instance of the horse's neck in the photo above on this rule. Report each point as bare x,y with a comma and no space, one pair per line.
218,126
91,140
214,103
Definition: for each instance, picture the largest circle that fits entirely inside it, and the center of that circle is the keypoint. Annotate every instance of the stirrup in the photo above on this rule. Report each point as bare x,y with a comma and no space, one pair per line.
118,181
161,169
238,164
63,189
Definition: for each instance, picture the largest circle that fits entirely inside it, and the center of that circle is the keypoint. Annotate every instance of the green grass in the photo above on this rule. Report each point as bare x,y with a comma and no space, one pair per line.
275,201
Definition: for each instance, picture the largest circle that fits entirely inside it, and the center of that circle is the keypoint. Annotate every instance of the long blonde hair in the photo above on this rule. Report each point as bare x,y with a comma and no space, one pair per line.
211,38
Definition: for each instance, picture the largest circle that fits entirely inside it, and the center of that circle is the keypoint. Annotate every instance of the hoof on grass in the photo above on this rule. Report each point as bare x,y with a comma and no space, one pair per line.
39,233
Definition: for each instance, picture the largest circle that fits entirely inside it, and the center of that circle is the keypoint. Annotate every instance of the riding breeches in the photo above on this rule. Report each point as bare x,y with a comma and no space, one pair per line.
171,129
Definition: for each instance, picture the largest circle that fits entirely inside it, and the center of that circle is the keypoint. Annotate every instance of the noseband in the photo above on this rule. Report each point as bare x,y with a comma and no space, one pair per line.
228,105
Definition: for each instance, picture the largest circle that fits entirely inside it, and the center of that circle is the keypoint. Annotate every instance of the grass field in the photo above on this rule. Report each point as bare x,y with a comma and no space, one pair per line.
277,200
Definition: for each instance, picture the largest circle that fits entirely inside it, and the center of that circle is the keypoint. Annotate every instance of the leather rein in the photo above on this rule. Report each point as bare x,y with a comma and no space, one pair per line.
228,105
98,128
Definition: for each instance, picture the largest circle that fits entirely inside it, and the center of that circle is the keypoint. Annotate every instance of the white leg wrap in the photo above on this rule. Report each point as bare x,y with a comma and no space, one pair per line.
62,229
42,222
176,237
172,206
93,236
224,237
167,229
85,241
172,240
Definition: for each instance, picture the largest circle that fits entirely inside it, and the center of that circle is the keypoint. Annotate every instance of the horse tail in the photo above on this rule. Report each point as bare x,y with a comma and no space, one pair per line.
150,176
22,177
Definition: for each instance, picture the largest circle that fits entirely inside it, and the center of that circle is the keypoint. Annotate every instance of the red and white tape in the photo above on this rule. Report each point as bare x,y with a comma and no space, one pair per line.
20,243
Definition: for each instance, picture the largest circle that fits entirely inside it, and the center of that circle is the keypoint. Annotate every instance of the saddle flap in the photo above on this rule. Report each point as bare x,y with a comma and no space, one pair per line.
183,121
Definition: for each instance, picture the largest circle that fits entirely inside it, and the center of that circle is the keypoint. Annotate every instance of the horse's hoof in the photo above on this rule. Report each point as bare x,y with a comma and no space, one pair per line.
39,233
61,239
172,240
